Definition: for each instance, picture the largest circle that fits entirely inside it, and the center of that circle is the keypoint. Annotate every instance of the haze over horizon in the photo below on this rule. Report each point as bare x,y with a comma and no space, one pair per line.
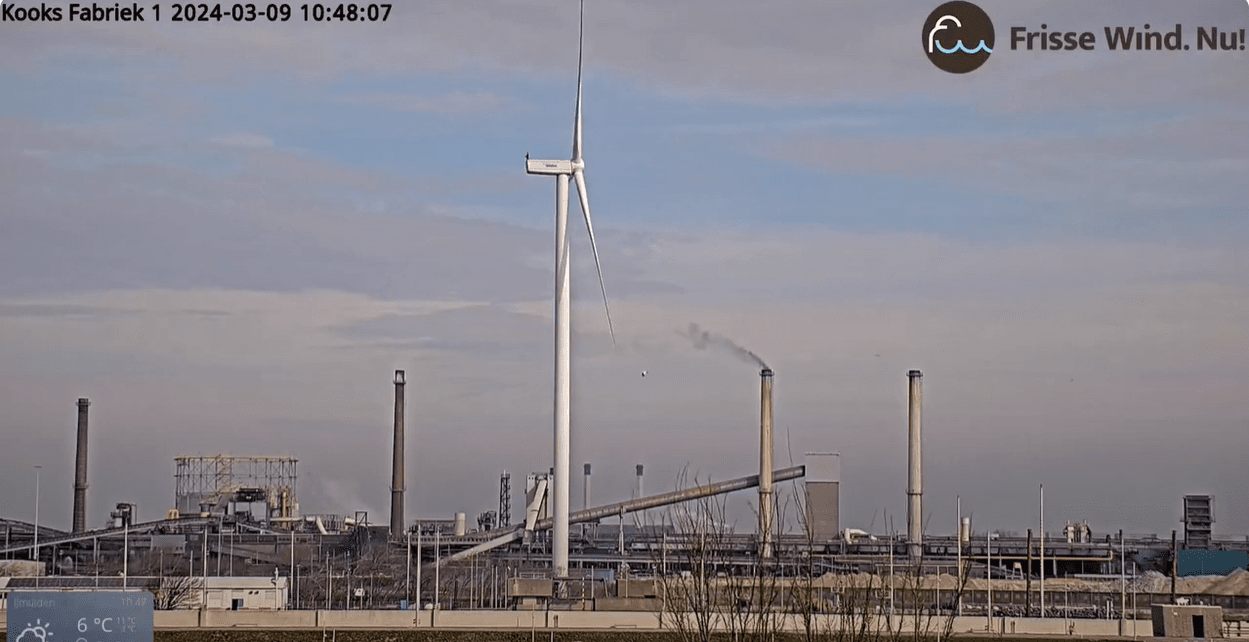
228,237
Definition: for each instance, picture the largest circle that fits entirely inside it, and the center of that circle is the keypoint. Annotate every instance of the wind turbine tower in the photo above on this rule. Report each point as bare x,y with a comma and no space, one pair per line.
562,170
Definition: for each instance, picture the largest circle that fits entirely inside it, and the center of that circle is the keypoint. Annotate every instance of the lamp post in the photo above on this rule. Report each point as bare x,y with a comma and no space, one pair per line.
958,540
36,550
1123,583
437,569
1133,600
988,546
204,569
1041,532
418,566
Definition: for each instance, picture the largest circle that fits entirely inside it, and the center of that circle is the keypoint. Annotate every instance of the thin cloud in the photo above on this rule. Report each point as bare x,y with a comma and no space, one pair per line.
452,103
244,139
1181,163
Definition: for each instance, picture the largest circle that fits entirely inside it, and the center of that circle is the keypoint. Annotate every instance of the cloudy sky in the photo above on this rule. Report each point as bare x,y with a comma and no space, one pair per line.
229,236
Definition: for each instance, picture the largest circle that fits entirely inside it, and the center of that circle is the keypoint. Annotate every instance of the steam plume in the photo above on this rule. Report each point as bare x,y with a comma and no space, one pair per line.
702,339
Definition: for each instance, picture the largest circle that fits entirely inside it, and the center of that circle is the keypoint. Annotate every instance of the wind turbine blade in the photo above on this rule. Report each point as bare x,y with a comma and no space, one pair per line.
576,136
585,209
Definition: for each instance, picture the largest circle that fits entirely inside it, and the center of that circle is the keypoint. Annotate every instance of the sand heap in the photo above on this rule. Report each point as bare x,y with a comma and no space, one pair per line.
1235,583
1151,582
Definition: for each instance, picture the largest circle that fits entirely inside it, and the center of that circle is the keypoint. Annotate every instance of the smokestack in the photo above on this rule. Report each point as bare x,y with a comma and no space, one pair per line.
585,494
765,464
915,475
80,470
638,491
397,467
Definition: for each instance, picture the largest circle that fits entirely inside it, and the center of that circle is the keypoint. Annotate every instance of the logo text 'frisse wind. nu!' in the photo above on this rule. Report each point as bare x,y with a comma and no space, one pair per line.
1128,39
958,37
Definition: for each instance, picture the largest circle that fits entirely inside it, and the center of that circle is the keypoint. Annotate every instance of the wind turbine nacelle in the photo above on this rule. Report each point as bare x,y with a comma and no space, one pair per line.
548,166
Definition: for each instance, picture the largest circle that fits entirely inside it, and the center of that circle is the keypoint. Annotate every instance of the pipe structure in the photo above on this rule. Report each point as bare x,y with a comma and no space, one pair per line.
397,466
637,492
915,475
634,505
1175,553
585,491
765,463
1027,592
65,538
675,497
80,471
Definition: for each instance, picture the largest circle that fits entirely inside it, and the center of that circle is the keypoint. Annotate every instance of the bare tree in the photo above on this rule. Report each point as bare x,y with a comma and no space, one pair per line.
894,606
837,608
706,592
384,574
175,592
690,594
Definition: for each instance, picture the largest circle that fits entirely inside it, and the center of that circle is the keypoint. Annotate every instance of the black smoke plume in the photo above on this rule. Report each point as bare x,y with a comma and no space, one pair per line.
703,339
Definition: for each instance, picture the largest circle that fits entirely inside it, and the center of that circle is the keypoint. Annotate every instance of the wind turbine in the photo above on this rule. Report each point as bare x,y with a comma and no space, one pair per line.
562,170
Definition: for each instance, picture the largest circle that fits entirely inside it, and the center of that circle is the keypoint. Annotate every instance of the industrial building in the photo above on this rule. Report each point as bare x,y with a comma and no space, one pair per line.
237,529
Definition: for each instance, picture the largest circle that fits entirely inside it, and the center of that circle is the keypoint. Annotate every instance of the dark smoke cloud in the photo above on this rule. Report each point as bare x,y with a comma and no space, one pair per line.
702,339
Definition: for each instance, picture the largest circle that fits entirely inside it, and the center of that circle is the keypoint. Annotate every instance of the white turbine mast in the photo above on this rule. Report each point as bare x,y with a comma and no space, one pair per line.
562,170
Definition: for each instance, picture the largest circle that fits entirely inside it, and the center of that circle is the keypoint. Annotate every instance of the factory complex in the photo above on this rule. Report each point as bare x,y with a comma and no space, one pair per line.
236,540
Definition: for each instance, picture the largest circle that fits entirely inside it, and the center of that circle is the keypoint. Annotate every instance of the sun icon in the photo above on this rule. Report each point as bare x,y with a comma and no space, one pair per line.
38,632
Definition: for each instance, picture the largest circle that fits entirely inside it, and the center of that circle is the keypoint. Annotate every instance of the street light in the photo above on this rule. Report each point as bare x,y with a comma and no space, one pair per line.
36,552
989,536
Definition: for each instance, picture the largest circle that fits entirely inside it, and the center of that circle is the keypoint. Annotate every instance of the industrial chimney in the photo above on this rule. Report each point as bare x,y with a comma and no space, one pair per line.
585,493
915,475
638,491
765,464
397,467
80,470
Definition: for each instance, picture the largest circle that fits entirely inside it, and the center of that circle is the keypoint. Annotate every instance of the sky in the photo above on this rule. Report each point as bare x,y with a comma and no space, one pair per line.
229,236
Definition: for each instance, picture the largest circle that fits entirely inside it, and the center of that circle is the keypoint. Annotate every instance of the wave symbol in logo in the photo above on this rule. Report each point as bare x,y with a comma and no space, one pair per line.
949,27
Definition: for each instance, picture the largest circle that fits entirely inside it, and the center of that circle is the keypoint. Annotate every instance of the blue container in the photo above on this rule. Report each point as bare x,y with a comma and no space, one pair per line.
1198,562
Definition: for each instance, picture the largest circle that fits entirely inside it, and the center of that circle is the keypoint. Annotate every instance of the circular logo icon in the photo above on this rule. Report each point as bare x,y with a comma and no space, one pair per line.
958,37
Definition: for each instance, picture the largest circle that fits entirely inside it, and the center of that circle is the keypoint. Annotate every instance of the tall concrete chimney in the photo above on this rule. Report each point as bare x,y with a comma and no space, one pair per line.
397,466
915,475
637,492
765,464
80,470
585,493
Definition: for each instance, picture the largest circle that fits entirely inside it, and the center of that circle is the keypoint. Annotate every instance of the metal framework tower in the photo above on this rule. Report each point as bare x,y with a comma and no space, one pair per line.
210,482
505,500
1198,521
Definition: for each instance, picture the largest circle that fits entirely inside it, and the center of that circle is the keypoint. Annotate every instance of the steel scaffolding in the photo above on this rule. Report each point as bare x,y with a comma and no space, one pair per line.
210,483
